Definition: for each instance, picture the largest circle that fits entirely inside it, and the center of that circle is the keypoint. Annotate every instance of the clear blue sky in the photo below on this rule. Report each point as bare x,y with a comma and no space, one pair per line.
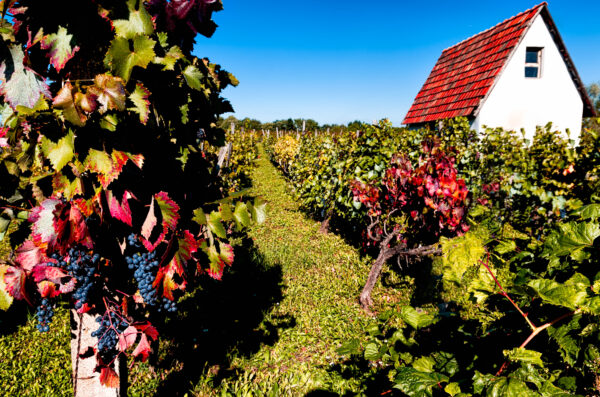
339,61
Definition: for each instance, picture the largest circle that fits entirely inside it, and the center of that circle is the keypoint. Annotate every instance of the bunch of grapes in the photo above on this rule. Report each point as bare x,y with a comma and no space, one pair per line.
111,326
145,266
82,265
167,305
44,315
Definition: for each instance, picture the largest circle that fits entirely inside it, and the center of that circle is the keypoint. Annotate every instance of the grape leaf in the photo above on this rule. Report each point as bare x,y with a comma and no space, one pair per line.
139,22
570,237
417,319
49,273
127,338
143,348
98,161
417,383
241,215
5,298
510,387
170,58
64,101
215,225
23,86
59,44
572,293
120,211
193,76
48,289
29,255
42,219
122,58
109,91
71,229
15,279
524,355
460,253
169,210
139,98
109,378
150,221
187,246
62,152
590,211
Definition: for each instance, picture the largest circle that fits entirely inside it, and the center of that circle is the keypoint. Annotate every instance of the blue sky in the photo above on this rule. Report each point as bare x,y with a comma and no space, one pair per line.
339,61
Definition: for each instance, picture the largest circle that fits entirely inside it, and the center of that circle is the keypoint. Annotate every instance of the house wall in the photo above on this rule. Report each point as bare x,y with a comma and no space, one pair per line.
517,102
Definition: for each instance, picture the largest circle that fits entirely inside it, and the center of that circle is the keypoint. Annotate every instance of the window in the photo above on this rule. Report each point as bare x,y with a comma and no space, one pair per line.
533,62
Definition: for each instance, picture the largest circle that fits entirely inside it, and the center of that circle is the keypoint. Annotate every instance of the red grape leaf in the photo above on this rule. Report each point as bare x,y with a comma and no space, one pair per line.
15,279
226,253
127,338
216,261
141,104
85,206
68,287
29,255
187,246
59,44
71,229
148,329
109,91
120,211
109,378
48,289
50,273
143,348
169,211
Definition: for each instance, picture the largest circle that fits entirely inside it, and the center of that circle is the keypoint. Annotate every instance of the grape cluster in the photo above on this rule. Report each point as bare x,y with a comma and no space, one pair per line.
167,305
111,326
145,266
82,265
44,315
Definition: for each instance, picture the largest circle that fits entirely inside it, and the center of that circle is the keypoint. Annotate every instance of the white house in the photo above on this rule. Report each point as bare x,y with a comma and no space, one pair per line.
517,74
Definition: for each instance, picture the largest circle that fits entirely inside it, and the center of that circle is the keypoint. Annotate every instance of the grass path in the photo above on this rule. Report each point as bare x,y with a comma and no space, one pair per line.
322,276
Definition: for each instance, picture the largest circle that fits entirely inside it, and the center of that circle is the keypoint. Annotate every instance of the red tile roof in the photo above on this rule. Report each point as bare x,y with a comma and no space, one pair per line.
465,72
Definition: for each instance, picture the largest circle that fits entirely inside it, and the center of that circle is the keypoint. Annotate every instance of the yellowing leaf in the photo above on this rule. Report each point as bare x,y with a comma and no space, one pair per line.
139,98
193,76
139,22
62,152
60,48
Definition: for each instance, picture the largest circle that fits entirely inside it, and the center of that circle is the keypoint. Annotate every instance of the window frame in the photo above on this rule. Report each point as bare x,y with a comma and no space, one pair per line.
537,64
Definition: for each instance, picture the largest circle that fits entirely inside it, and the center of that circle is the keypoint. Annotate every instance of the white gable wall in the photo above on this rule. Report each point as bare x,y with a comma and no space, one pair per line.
517,102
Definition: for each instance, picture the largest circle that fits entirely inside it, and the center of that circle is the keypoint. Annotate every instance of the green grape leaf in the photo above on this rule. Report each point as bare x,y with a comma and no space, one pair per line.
241,215
22,86
215,225
193,76
571,237
170,58
572,293
259,210
59,44
417,319
510,387
505,246
460,253
199,216
524,355
417,383
568,346
124,54
372,352
590,211
62,152
139,22
424,364
141,104
349,348
452,388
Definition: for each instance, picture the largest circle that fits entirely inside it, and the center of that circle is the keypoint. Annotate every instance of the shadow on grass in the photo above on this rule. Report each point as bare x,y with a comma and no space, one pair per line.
13,318
221,320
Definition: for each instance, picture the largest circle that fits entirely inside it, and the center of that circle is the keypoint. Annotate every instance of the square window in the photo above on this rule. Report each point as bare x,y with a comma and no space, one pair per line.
531,71
533,62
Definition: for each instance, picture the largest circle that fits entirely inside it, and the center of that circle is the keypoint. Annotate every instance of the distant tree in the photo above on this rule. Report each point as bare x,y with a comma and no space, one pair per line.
226,123
594,94
356,125
251,124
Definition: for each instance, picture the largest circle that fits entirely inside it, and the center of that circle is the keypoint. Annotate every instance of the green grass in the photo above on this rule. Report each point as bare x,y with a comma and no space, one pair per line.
270,327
